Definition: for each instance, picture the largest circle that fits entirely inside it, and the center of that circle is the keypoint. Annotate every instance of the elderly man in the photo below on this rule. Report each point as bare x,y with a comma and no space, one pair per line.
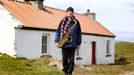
68,49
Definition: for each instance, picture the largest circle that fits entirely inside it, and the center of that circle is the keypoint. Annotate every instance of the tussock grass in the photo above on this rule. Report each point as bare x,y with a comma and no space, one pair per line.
22,66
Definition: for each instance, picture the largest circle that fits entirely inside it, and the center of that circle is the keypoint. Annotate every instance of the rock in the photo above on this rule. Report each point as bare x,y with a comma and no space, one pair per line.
56,63
82,66
85,67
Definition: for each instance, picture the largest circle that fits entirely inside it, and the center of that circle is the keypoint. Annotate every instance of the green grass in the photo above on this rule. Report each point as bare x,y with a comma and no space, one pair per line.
21,66
125,50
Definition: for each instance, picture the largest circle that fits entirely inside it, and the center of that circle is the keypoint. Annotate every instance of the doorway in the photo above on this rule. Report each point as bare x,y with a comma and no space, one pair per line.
93,52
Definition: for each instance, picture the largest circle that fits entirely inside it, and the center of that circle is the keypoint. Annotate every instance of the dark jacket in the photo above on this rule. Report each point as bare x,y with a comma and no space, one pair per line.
76,35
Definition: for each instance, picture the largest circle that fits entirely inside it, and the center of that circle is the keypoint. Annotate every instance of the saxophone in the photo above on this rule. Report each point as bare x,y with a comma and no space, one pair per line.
66,38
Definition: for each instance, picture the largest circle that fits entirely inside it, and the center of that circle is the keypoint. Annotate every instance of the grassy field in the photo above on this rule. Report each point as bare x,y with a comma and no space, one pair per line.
124,65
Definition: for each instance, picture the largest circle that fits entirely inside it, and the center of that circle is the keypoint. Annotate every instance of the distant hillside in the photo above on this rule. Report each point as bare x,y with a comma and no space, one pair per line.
123,42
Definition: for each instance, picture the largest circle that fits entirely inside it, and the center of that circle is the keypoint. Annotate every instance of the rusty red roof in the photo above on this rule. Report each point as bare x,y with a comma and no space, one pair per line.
49,17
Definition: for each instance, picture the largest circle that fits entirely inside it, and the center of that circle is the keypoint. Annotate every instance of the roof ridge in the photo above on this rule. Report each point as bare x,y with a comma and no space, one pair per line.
23,2
64,10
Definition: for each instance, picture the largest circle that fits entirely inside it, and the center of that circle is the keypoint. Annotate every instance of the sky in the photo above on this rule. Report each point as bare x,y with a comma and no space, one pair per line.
115,15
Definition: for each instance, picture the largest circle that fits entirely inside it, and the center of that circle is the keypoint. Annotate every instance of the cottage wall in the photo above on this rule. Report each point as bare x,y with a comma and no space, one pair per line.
7,32
29,45
101,58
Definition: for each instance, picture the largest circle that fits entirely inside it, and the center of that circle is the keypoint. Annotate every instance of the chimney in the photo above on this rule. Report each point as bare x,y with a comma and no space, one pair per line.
36,3
91,14
88,10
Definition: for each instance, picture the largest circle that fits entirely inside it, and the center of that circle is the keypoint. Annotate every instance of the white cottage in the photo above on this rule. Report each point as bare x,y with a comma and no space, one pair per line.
27,29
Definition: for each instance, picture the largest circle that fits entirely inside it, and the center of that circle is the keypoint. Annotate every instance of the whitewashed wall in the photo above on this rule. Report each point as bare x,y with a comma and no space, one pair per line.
7,33
86,49
28,44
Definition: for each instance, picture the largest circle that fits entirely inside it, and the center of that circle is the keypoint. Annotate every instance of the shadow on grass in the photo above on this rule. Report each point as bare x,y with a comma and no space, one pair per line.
121,60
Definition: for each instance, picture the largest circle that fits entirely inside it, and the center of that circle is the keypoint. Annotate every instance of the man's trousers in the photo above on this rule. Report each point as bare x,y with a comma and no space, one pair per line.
68,55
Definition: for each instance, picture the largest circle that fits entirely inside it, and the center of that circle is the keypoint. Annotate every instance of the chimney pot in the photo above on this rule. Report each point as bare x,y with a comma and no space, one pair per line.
91,14
36,3
88,10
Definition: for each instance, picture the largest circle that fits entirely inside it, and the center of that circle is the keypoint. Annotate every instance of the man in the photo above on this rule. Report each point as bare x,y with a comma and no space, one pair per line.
68,50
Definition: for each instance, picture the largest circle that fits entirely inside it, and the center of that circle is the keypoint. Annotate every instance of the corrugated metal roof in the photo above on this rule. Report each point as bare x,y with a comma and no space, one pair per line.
49,17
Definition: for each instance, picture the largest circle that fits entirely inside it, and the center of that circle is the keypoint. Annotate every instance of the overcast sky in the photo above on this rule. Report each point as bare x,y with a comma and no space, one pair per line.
115,15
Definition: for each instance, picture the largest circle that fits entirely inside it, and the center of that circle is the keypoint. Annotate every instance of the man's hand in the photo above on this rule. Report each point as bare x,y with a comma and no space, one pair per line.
78,47
57,45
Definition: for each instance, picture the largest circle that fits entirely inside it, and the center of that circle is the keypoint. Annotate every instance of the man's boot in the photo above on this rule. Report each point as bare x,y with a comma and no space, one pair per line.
65,73
69,73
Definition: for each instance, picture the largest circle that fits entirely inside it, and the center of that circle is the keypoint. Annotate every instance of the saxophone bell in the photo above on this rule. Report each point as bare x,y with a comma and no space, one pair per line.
69,39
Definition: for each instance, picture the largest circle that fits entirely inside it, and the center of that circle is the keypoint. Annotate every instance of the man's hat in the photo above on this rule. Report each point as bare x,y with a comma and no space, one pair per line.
70,9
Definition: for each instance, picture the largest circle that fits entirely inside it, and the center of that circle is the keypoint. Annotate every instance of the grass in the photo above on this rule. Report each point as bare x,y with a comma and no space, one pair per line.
124,65
21,66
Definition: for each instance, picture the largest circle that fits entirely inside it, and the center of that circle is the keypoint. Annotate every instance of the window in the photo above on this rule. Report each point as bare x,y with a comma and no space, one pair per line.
108,48
77,53
44,44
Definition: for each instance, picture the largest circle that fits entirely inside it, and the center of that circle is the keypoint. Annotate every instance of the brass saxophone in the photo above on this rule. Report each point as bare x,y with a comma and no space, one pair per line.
66,38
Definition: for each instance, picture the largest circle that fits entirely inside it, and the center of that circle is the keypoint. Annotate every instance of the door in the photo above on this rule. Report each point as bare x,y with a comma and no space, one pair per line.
93,52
